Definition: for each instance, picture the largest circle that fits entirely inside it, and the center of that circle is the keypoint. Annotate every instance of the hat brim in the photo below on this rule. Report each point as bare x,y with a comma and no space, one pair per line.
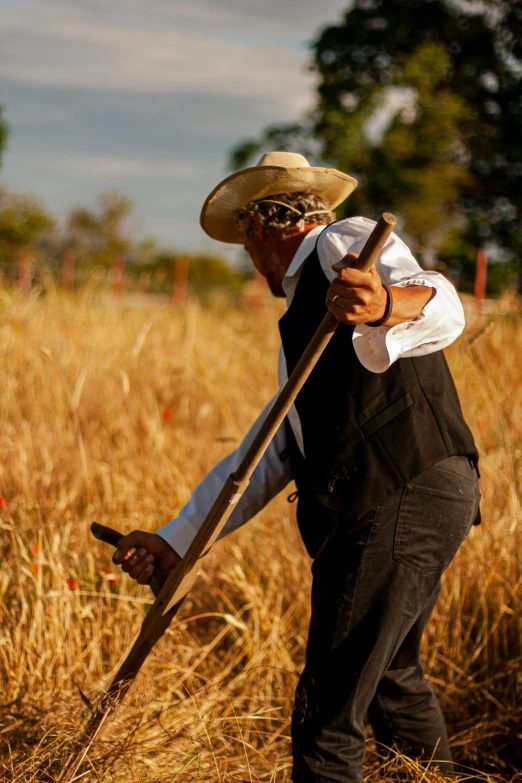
219,212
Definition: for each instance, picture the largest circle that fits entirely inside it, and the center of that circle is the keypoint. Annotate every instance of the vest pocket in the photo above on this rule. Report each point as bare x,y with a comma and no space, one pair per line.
390,412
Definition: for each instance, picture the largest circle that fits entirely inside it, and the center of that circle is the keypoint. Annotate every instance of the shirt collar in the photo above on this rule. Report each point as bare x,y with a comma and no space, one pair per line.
303,251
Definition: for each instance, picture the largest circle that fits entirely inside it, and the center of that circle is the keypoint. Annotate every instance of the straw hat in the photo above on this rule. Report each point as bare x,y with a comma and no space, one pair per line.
276,172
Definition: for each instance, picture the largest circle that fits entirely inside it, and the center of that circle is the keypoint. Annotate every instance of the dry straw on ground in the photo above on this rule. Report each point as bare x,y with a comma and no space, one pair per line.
112,413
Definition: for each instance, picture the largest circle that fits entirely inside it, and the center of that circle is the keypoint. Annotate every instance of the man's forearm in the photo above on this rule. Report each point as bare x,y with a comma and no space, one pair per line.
409,302
356,297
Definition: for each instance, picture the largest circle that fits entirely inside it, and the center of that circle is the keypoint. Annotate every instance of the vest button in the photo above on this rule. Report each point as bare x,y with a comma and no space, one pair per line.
342,473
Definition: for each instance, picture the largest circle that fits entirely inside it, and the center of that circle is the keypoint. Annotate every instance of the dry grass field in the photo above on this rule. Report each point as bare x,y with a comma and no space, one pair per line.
112,414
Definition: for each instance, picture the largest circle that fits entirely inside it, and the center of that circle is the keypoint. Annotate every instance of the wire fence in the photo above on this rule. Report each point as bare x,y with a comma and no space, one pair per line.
175,284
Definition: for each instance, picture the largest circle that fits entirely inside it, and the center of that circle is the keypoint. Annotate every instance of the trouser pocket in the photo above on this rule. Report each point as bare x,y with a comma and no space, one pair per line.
436,512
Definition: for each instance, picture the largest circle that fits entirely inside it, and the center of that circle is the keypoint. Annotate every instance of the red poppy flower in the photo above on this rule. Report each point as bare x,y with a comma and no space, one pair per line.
72,584
167,415
36,569
35,549
3,502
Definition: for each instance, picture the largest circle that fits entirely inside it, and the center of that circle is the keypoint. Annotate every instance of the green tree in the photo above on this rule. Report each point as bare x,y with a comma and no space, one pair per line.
208,274
23,221
417,163
452,155
4,133
99,234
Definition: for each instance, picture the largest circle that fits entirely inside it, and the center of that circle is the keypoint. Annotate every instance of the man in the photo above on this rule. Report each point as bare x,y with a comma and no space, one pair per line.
384,464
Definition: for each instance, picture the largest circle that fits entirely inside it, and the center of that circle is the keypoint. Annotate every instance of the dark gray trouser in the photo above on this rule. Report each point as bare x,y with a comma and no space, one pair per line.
375,583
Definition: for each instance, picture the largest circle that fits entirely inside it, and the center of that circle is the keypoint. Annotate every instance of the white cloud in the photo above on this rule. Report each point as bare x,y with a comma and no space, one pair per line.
96,166
100,167
62,46
291,20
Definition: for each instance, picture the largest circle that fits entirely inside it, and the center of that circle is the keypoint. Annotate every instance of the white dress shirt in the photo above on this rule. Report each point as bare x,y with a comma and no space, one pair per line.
439,324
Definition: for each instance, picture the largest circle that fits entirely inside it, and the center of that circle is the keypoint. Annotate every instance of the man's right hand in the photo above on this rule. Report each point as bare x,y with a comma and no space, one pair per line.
138,552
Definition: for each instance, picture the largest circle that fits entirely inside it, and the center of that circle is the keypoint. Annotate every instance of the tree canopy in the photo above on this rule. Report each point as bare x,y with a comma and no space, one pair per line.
4,132
23,219
421,101
100,233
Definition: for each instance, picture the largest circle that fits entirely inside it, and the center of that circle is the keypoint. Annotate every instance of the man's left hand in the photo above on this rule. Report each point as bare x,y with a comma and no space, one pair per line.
359,296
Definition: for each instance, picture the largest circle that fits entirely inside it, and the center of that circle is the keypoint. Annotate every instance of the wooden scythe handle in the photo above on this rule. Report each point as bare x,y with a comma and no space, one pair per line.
180,580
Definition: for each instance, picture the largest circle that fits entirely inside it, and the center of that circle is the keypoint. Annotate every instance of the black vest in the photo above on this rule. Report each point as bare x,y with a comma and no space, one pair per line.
365,434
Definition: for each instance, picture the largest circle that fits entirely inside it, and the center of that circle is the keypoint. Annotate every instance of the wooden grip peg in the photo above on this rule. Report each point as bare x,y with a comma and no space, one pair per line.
110,536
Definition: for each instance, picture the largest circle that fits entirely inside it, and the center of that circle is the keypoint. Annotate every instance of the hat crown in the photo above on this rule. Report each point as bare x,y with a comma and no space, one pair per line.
276,172
286,160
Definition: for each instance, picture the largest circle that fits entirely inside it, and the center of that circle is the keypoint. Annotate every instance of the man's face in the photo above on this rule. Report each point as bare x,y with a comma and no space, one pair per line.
263,249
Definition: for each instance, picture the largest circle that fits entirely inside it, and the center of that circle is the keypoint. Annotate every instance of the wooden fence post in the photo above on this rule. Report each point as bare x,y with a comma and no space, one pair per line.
179,289
69,258
118,274
481,273
24,270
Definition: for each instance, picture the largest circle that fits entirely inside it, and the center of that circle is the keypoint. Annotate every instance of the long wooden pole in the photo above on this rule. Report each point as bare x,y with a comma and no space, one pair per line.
118,273
24,270
69,258
181,579
180,286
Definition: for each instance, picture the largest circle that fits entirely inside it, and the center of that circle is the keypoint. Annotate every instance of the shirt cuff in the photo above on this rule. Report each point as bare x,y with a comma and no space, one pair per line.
179,534
406,332
377,347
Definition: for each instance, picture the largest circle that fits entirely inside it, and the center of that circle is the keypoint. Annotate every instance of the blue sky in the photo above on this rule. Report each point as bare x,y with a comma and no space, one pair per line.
147,96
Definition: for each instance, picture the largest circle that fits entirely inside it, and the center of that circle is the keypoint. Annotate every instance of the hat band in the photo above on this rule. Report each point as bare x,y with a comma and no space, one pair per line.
288,206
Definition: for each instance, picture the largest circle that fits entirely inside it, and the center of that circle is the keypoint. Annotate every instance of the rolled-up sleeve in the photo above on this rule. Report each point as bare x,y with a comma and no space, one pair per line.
270,476
441,320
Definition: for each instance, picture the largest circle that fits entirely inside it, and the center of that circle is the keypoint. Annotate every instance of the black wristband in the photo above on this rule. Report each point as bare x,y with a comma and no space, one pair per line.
387,310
